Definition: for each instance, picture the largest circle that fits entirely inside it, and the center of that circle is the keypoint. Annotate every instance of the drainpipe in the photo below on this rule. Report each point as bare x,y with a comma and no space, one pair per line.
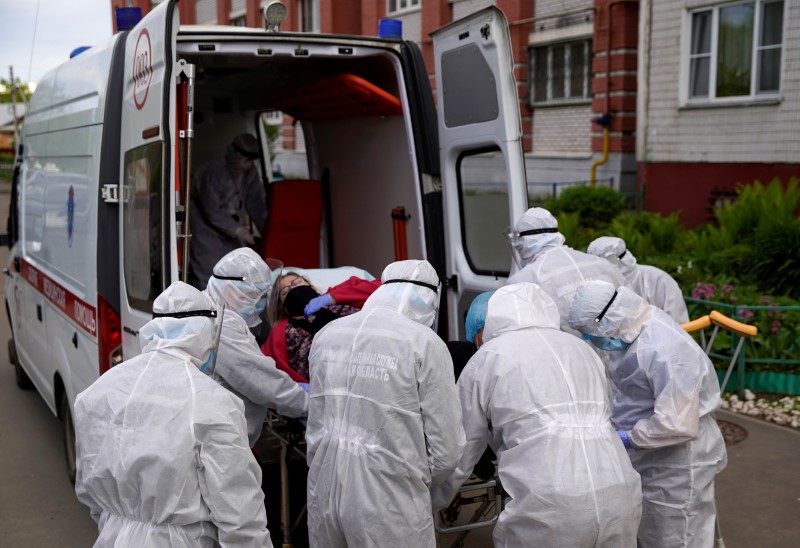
605,119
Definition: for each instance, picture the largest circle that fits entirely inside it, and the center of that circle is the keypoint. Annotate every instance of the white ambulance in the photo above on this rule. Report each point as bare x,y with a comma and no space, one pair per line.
112,136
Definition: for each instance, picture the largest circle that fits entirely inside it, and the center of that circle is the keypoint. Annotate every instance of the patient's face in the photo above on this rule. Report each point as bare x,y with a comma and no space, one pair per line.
287,283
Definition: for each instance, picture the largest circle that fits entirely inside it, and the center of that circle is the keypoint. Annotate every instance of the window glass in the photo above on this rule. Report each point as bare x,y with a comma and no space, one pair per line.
540,71
742,39
735,50
769,50
483,186
700,60
557,72
577,62
560,72
394,6
141,225
772,24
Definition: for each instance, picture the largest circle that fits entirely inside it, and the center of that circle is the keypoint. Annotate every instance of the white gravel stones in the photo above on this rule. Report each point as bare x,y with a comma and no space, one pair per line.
784,411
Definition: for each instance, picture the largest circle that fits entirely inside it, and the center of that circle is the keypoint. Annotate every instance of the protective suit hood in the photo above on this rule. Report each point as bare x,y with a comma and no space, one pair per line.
528,246
191,335
408,288
623,318
519,306
241,279
616,252
243,149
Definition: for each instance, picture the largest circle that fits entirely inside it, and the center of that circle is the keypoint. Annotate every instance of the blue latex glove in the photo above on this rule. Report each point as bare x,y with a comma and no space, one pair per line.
625,436
305,386
316,303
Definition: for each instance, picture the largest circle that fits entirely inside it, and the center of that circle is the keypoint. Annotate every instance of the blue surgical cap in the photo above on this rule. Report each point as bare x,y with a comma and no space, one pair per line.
476,316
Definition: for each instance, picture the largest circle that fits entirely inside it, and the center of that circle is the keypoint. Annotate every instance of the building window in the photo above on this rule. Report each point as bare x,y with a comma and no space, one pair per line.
735,50
309,15
240,21
560,72
401,6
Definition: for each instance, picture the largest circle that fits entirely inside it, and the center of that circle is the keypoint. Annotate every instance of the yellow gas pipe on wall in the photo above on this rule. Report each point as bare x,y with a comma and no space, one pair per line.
602,160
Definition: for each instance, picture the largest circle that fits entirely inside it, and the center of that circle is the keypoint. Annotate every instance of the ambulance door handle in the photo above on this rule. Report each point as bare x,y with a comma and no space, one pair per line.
39,312
75,340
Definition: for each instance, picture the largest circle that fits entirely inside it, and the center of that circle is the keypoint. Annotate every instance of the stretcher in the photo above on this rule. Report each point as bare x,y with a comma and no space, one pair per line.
290,435
489,497
719,320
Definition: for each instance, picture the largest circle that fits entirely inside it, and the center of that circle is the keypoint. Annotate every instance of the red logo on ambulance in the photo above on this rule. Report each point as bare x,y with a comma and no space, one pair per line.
142,69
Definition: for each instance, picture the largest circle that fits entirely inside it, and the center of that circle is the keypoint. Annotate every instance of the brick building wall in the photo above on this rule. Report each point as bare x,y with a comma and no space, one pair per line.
690,152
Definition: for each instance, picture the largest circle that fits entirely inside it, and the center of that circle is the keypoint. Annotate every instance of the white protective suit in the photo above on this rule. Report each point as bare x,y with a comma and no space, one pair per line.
225,192
384,418
665,394
652,284
242,282
162,450
540,396
555,267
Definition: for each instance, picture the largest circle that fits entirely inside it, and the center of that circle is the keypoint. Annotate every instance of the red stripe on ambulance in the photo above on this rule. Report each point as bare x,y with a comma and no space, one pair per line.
77,310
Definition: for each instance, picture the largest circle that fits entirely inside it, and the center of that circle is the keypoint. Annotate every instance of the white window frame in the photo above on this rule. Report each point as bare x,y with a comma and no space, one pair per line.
393,7
587,72
235,16
686,47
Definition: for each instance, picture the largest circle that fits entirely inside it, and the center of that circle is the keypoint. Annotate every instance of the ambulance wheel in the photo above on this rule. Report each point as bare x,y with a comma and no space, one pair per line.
69,437
22,378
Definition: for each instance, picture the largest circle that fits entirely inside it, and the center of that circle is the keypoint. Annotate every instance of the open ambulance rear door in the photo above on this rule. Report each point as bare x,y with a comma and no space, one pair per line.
482,164
148,170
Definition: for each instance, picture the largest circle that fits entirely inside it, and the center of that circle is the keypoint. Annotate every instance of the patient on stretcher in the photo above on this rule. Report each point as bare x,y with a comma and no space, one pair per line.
303,311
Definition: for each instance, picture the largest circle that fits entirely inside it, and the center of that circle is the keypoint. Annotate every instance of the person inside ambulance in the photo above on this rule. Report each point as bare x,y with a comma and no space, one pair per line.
162,452
555,267
539,396
665,393
652,284
242,282
228,203
303,311
384,418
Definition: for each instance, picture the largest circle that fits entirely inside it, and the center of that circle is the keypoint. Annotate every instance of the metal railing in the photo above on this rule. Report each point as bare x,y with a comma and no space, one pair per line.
770,347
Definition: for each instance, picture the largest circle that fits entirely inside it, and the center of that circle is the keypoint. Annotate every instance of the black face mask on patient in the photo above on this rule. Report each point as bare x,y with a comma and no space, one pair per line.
297,299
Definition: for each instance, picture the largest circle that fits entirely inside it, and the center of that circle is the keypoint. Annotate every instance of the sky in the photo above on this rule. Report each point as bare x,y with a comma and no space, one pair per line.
62,26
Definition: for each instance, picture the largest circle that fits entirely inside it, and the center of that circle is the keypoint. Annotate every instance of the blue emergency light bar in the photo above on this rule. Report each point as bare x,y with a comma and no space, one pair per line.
126,18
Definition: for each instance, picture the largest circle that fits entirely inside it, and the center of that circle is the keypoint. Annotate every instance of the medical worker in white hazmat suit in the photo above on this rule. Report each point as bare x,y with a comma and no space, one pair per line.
555,267
162,453
242,281
665,394
539,396
652,284
384,419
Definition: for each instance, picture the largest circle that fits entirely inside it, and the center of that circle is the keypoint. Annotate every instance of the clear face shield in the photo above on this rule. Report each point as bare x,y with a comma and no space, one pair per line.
508,237
211,368
272,305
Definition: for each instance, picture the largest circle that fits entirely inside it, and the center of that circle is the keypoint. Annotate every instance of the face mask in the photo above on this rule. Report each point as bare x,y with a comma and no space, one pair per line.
297,299
261,306
208,362
607,343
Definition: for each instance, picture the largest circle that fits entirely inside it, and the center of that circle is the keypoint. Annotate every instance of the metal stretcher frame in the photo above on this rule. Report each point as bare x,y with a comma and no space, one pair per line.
290,440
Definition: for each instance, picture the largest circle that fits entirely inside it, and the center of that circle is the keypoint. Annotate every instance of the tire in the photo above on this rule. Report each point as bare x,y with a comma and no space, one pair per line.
69,438
22,378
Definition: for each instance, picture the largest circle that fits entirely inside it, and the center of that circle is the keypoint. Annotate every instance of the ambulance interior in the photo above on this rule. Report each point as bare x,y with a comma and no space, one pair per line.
354,159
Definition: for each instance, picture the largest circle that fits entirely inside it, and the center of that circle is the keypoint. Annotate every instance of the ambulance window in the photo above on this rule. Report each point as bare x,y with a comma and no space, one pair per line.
483,190
141,225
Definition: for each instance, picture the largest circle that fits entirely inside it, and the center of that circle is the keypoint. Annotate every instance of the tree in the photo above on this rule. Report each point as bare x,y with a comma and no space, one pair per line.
23,91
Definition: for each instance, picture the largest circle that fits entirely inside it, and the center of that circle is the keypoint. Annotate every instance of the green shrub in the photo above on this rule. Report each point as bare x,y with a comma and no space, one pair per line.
775,261
597,205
